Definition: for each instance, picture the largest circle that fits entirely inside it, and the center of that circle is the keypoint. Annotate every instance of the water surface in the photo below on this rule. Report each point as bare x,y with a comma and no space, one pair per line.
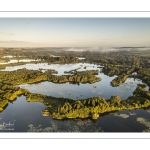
19,60
28,117
82,90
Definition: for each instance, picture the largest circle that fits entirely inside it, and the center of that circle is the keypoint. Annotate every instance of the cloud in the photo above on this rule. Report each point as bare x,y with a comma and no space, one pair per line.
95,48
75,49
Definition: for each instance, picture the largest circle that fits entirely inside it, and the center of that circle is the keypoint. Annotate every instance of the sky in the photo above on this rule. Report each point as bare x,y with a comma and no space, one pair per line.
74,32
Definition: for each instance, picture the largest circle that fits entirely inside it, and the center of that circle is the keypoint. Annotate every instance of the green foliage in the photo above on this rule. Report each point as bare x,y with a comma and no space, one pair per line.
119,80
122,63
93,107
9,93
23,76
144,75
35,97
115,100
3,103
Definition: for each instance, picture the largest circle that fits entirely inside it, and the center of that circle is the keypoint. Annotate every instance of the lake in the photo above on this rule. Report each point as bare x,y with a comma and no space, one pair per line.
27,117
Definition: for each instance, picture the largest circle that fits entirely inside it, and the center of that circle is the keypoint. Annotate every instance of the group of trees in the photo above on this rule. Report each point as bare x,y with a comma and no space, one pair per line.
24,75
119,80
94,107
9,93
144,75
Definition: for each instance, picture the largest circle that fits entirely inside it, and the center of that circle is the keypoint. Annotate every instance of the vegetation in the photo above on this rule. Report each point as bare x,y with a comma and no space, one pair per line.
119,80
9,93
94,107
121,63
23,76
3,103
61,108
144,75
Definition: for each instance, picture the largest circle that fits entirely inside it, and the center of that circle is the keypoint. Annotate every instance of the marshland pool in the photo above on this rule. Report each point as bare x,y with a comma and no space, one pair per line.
27,116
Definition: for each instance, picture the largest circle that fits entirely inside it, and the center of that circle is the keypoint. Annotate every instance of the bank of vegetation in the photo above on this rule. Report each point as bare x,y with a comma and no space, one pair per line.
62,108
23,76
94,107
9,93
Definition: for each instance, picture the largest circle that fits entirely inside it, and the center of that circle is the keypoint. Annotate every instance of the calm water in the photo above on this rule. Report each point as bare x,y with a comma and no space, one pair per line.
27,116
58,67
81,91
21,60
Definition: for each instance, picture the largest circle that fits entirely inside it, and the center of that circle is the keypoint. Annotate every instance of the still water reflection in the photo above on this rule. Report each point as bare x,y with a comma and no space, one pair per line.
83,91
78,91
28,118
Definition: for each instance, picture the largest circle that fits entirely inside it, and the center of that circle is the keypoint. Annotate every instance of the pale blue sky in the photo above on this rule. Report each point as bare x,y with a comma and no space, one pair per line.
74,32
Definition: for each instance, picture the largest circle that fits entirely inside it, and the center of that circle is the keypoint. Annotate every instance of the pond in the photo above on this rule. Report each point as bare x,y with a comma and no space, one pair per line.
28,116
